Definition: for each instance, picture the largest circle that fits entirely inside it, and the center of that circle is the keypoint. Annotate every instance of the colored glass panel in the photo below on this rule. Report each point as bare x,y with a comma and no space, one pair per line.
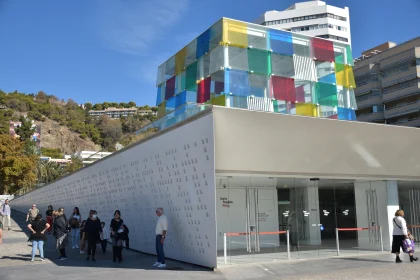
235,33
328,112
161,74
258,37
258,85
237,102
350,76
186,97
171,104
238,58
344,75
203,92
346,98
304,91
259,62
191,77
280,106
307,109
301,45
159,96
203,67
216,59
282,65
325,72
191,53
339,53
323,50
180,82
217,83
161,110
170,68
237,82
283,89
203,43
281,42
304,68
170,88
326,94
346,114
180,60
219,100
349,56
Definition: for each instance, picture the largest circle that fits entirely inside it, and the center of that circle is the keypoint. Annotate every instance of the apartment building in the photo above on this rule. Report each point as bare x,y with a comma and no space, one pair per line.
312,18
388,84
114,113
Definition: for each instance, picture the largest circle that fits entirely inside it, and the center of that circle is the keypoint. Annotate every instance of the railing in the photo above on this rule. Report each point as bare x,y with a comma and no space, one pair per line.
357,229
254,233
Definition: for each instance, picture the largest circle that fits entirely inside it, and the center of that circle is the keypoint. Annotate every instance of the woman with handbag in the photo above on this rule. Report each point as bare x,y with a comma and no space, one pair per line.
75,221
118,232
38,228
399,235
61,232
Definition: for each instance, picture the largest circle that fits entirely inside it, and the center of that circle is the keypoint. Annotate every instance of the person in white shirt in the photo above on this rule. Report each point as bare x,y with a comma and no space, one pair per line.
399,234
161,231
5,213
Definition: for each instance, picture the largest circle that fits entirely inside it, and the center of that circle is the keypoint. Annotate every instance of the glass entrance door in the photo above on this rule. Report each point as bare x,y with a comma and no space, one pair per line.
409,199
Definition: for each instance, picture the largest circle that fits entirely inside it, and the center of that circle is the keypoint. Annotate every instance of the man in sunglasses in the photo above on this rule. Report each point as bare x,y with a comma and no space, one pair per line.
33,212
161,230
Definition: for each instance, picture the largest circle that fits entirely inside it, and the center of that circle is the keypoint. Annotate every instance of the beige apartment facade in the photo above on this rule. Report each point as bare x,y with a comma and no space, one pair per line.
388,84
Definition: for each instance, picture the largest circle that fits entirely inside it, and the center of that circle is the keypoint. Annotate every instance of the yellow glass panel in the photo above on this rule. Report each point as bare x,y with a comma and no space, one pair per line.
235,33
161,110
180,60
307,109
350,76
219,101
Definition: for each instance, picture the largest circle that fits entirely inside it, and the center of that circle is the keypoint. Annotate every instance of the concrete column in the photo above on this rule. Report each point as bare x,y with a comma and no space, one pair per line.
376,202
312,221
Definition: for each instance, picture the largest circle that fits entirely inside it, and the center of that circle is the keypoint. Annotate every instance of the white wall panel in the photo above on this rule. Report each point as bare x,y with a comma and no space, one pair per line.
174,170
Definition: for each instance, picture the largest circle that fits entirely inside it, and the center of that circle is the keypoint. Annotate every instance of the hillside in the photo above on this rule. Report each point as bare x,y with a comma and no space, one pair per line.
68,126
53,135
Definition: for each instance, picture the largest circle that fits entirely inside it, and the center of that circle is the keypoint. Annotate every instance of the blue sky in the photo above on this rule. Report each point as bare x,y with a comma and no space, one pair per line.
109,50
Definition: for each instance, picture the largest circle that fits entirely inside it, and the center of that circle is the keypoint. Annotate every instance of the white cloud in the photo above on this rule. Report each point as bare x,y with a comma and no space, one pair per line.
131,26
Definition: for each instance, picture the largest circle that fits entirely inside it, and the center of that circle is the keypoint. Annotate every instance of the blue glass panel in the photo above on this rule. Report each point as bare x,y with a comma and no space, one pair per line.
159,96
346,114
237,82
203,43
186,97
329,79
171,104
281,42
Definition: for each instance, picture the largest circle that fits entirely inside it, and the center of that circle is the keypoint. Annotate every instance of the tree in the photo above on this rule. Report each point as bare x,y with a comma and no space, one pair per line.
25,130
88,106
75,164
48,171
52,152
17,170
98,107
111,131
131,104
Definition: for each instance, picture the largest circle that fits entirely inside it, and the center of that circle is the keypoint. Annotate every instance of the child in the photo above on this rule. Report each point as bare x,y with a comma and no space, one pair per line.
82,241
104,237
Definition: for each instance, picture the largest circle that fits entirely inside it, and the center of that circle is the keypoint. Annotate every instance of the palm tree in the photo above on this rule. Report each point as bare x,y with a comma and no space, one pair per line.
48,171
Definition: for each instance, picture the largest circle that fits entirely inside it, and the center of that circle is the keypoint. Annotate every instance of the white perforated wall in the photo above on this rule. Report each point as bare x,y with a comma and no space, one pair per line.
174,171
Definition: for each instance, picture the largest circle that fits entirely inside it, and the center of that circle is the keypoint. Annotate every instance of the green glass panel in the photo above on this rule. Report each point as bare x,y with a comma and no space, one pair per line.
326,94
191,77
349,56
259,62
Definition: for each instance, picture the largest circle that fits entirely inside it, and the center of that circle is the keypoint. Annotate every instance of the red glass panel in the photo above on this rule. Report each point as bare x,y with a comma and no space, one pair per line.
170,88
283,88
203,92
300,94
323,50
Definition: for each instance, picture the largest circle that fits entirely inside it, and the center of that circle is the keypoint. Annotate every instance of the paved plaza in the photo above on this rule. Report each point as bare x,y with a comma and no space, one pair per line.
15,264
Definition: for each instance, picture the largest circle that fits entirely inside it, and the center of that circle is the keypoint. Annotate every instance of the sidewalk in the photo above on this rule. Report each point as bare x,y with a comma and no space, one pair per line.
15,255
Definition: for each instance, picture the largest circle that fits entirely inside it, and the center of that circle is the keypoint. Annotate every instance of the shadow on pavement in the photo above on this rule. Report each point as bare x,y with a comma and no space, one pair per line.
132,259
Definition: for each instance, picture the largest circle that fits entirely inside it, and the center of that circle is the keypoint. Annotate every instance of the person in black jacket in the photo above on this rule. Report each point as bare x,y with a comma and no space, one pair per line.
92,233
61,232
119,233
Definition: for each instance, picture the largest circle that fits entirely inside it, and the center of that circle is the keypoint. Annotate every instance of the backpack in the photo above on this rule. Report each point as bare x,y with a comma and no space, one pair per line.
74,223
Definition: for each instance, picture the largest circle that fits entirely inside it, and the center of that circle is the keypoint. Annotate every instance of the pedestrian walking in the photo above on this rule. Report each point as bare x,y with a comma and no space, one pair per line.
61,232
92,233
6,212
32,213
75,221
104,237
118,236
1,232
82,240
399,234
49,217
161,231
38,228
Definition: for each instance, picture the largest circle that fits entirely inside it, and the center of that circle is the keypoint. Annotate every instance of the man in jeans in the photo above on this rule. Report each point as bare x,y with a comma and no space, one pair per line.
6,212
161,230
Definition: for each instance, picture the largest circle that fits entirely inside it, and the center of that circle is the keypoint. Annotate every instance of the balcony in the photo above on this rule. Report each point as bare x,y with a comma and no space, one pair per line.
410,73
371,117
388,96
411,53
402,110
412,123
372,100
367,87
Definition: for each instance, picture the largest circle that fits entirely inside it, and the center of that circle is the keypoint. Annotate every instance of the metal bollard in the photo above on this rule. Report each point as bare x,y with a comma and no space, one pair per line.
337,241
288,244
225,247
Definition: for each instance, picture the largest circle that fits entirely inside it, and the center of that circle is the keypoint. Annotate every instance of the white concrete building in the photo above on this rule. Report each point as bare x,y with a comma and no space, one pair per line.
114,113
88,157
313,18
